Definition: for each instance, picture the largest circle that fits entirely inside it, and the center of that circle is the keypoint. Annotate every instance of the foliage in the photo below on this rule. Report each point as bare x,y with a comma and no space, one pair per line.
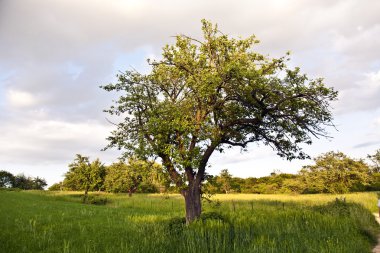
374,184
213,216
375,159
120,176
123,178
137,175
97,200
83,175
56,187
6,179
334,172
276,183
20,181
206,95
224,180
29,183
364,220
23,182
175,225
38,183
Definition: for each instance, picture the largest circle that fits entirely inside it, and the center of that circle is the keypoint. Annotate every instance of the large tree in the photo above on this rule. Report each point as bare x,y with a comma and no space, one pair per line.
205,95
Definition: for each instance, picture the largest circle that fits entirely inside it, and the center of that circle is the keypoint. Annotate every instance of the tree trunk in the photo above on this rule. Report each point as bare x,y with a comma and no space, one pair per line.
85,197
193,203
131,191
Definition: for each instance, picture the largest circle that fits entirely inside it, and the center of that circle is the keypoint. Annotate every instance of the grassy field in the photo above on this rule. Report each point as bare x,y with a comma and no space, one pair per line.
58,222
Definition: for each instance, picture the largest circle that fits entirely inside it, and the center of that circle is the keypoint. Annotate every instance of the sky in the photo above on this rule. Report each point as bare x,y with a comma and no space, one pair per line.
55,54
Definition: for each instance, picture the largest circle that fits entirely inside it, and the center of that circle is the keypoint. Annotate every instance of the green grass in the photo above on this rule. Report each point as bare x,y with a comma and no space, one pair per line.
58,222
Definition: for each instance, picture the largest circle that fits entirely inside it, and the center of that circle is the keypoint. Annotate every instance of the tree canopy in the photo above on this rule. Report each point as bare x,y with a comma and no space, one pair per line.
85,175
334,172
6,179
375,159
206,95
136,175
20,181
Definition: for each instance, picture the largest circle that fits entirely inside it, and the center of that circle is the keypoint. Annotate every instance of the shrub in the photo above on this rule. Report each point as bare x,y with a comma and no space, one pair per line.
362,217
175,225
213,216
96,200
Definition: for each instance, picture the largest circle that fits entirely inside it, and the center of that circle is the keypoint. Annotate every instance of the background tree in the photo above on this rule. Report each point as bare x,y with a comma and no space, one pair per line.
136,176
28,183
77,174
6,179
38,183
83,175
120,178
23,182
158,177
248,185
225,179
211,185
98,174
56,187
334,172
205,95
375,159
293,184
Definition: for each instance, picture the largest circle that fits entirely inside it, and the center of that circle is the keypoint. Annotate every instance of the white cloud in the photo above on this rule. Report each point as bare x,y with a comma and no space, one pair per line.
48,141
375,77
59,52
362,44
20,99
363,95
376,124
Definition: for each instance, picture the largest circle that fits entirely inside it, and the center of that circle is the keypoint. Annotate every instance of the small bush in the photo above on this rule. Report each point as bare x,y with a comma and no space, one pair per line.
338,207
176,224
55,187
362,217
213,216
10,189
96,200
146,187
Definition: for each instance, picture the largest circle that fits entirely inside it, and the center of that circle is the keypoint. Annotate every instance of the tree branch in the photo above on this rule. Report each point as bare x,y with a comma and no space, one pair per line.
203,162
174,175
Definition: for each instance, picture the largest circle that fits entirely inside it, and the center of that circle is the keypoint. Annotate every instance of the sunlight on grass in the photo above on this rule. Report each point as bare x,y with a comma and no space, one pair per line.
37,221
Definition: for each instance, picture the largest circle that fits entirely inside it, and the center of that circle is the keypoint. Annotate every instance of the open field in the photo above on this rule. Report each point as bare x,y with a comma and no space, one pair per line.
57,222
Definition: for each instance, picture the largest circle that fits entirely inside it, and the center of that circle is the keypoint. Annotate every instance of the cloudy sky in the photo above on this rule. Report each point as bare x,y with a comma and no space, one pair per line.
55,54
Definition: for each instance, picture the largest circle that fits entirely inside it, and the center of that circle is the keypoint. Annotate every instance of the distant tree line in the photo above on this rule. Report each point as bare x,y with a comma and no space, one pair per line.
120,177
20,181
333,172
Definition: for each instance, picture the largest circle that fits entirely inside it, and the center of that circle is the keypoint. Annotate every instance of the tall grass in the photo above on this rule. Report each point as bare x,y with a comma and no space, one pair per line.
59,222
367,199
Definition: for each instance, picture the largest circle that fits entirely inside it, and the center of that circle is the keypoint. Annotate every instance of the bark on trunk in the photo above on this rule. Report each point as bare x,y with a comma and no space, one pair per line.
85,197
193,203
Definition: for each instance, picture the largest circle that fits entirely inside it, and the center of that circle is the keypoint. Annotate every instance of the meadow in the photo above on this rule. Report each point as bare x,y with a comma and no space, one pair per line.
39,221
